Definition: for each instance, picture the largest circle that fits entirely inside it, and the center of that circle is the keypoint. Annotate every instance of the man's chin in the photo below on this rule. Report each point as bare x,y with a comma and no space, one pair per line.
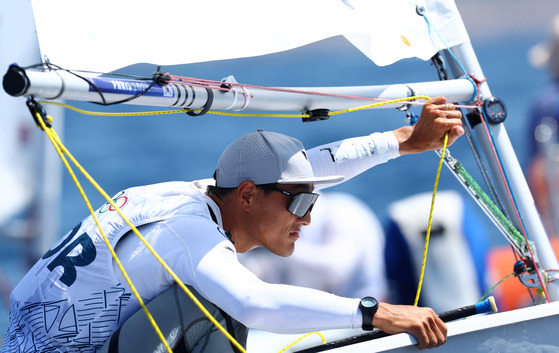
285,252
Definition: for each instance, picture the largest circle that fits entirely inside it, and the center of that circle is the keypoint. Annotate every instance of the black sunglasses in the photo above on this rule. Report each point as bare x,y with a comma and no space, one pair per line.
300,203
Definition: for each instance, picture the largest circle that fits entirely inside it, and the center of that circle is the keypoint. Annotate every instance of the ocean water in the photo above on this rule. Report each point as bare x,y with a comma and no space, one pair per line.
129,151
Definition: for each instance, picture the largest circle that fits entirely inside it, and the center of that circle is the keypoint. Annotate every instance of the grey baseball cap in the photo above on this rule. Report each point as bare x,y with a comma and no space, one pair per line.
266,157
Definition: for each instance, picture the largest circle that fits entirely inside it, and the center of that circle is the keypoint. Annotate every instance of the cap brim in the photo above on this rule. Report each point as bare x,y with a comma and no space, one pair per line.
313,180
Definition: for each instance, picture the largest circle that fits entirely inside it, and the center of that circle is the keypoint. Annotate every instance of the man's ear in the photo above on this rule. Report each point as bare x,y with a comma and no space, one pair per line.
245,194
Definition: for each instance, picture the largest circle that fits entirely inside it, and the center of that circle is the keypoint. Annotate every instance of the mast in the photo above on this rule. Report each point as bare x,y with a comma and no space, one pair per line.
518,184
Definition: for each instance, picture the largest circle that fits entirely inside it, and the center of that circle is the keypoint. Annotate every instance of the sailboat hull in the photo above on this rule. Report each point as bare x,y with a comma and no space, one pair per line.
532,329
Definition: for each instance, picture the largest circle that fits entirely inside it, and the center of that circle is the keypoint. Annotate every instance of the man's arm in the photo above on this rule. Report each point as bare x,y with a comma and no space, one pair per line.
353,156
436,119
422,323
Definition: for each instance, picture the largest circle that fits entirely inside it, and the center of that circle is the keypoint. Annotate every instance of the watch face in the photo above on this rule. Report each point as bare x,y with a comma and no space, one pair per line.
369,302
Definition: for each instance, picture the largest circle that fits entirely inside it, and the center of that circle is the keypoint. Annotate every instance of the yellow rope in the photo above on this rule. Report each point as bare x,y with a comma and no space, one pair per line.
392,101
60,150
53,137
256,115
430,221
86,112
301,338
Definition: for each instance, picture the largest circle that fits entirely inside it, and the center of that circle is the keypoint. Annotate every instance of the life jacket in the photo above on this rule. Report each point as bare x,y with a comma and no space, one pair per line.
71,300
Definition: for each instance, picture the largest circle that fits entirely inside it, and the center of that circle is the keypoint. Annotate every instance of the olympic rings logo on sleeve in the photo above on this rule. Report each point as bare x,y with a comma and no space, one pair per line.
120,200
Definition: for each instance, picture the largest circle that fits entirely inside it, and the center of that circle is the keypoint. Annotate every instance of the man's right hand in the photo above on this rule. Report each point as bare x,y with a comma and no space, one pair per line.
422,323
436,119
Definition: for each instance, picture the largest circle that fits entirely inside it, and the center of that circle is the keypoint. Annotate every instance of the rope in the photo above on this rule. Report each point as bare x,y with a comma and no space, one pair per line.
61,149
492,207
301,338
513,199
87,112
407,99
495,286
427,236
175,111
477,84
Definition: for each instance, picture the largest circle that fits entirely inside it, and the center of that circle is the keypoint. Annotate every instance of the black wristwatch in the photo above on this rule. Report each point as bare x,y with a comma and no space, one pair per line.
368,307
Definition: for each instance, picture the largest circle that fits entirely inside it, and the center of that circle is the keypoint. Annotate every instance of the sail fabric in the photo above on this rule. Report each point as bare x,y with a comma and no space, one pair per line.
106,35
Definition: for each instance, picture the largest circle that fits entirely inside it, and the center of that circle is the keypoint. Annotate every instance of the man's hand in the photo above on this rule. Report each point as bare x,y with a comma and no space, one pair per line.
436,119
422,323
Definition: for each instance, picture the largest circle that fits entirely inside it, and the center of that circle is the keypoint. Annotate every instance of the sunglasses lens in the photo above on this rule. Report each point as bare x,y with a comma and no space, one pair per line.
302,203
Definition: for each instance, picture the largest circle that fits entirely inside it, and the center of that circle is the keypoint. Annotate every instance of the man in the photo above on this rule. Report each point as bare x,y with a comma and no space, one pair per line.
75,298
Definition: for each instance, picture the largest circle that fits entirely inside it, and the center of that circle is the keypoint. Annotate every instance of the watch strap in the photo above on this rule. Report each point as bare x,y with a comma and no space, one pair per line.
368,312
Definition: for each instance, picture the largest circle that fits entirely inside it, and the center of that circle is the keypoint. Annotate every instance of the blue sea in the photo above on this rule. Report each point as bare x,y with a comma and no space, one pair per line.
129,151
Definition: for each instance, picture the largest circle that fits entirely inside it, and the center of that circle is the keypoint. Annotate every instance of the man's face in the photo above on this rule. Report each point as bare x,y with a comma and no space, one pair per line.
278,229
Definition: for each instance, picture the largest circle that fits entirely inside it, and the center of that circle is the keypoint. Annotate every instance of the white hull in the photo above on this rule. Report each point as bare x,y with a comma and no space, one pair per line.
532,329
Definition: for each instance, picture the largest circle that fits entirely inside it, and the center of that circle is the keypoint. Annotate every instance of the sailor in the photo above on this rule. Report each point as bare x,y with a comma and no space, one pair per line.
75,298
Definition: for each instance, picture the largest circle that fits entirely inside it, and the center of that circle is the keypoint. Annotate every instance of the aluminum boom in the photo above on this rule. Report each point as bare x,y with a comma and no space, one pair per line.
58,84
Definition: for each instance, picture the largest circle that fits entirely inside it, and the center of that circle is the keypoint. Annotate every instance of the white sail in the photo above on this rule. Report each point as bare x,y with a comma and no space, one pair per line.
105,35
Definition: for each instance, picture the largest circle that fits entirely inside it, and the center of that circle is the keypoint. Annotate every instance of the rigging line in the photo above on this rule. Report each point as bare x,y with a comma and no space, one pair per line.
288,90
50,66
441,71
204,83
148,246
503,173
513,198
56,67
92,85
293,90
470,184
476,85
477,93
439,64
301,338
176,111
494,286
384,102
445,46
483,169
85,112
428,233
219,85
61,150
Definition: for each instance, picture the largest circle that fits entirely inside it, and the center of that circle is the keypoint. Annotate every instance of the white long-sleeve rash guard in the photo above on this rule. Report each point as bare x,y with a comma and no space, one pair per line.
210,263
175,219
353,156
